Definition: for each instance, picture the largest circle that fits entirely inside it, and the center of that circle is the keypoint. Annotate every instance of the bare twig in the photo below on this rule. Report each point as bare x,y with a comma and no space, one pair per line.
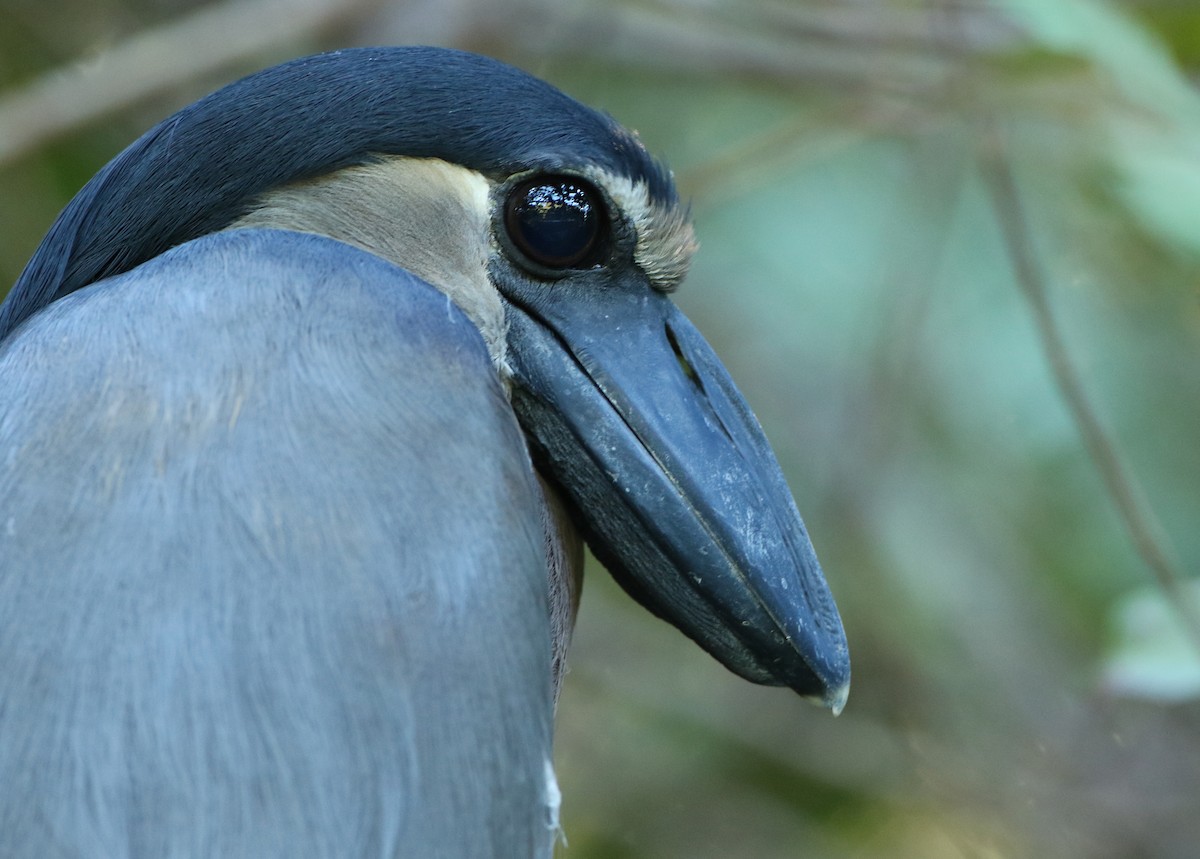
154,61
1148,537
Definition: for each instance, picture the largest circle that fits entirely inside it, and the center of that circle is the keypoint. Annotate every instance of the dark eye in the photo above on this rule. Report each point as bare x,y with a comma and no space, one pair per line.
556,221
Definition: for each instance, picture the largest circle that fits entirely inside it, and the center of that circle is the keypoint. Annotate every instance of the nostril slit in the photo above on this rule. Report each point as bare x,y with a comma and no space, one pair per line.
684,364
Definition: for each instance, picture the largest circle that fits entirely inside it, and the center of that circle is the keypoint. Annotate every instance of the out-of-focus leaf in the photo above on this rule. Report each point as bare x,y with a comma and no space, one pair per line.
1178,27
1154,128
1152,657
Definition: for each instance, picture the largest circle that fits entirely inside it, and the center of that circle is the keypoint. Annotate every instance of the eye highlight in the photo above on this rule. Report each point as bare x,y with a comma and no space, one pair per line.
555,221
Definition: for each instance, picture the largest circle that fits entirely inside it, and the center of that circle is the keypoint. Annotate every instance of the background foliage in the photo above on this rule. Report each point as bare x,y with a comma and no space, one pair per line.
950,251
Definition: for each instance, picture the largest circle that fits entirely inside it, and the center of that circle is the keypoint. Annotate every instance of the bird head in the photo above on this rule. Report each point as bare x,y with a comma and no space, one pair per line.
562,239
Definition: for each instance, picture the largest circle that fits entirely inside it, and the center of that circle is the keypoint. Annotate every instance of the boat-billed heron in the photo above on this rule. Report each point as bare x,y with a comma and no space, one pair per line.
305,402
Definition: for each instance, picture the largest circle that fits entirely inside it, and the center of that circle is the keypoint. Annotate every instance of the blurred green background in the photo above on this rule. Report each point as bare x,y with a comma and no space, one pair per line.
951,252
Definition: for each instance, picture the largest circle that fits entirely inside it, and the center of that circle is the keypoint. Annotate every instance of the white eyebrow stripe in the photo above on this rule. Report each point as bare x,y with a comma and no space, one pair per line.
666,240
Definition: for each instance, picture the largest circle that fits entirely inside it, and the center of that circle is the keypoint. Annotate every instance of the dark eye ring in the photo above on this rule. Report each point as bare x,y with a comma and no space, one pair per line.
555,221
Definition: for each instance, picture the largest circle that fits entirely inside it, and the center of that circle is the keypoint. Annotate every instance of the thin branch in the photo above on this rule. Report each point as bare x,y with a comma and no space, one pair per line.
155,61
1149,539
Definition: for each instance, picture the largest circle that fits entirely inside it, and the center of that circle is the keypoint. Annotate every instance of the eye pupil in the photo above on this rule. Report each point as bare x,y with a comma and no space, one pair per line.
554,221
